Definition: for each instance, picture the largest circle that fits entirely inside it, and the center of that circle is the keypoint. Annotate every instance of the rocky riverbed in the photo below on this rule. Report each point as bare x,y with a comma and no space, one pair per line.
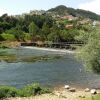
60,94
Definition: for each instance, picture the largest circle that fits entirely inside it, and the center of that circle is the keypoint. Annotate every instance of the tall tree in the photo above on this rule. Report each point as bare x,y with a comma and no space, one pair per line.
45,30
54,36
33,30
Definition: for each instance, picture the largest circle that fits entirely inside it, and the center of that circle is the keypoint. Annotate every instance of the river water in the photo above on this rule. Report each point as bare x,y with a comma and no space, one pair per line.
54,72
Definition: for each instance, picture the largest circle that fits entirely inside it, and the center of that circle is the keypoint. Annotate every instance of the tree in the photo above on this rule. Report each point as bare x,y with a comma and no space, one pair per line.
45,30
54,36
33,30
4,26
69,35
17,32
83,33
90,53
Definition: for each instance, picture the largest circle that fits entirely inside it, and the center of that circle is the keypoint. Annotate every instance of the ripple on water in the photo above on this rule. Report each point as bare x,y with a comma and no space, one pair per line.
65,70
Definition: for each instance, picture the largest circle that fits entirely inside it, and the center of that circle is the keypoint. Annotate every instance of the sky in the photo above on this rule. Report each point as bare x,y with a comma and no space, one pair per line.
13,7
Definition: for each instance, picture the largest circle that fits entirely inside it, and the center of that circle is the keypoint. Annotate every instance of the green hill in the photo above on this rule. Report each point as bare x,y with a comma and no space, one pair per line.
63,10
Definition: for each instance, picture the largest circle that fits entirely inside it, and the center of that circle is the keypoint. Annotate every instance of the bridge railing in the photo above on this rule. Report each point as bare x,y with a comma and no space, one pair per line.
51,43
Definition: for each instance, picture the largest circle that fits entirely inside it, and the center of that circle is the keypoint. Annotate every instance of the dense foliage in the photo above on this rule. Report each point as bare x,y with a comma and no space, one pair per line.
23,27
35,27
29,90
44,27
90,53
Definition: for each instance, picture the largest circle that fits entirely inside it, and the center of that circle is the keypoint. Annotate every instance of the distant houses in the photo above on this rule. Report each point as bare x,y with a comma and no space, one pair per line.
65,17
69,17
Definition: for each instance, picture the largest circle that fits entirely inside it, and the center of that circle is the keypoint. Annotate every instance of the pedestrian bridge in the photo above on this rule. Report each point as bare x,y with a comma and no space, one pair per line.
66,45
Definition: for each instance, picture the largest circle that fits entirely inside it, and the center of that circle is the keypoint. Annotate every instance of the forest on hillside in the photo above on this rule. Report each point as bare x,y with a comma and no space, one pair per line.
39,28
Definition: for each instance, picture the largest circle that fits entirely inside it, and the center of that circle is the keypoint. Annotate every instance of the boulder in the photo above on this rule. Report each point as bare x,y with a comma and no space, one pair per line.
87,90
72,89
67,87
93,91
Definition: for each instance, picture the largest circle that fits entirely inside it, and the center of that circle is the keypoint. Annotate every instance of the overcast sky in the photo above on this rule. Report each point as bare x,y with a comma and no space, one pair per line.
13,7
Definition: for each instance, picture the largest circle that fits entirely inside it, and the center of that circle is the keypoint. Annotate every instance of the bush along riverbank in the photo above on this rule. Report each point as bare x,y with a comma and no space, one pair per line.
29,90
59,93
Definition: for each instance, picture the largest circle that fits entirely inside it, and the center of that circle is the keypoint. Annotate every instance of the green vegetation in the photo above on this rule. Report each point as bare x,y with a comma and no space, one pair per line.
44,27
33,30
8,37
3,46
4,56
40,58
90,53
95,97
8,58
29,90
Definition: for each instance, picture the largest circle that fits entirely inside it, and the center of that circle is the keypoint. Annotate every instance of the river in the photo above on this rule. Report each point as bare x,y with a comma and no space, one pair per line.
60,69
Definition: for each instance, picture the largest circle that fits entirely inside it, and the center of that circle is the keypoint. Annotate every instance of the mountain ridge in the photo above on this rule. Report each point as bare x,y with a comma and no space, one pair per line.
63,10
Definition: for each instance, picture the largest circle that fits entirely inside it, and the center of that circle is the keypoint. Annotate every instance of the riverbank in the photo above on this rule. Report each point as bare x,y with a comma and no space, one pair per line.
9,44
50,49
59,94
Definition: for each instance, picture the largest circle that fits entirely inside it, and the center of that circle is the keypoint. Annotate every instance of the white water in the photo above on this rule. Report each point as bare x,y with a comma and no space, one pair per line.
50,49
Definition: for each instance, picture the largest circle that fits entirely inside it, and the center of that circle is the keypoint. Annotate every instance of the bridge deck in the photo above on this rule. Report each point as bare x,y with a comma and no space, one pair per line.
66,45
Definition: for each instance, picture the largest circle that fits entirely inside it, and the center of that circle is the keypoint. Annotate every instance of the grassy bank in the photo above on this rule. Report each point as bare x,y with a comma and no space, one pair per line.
29,90
94,97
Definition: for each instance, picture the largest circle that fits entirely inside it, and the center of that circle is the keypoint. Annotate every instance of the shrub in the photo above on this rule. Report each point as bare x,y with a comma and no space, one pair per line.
45,90
3,46
8,37
33,89
7,91
29,90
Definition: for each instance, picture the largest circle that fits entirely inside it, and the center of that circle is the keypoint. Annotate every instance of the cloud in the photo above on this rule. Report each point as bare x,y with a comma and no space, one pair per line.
93,5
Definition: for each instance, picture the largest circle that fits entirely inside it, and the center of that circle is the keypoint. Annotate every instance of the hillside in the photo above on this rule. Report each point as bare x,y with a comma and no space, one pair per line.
63,10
